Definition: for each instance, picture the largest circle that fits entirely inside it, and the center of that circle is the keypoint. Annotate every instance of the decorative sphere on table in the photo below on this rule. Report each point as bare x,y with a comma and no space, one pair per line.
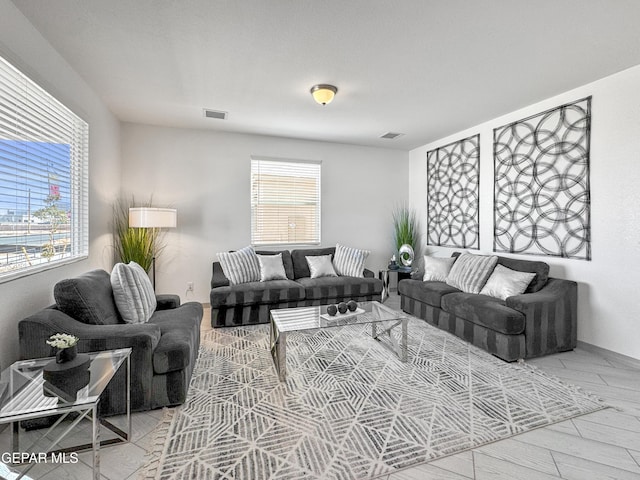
352,305
342,307
332,310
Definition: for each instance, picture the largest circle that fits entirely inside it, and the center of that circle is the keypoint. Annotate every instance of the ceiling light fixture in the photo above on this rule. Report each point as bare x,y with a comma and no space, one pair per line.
323,93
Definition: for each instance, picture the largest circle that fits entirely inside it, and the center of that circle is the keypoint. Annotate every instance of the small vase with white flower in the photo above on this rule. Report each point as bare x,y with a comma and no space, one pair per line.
66,345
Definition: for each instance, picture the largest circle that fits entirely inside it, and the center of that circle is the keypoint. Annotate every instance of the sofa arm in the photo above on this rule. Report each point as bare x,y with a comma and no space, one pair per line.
167,302
35,330
218,278
141,338
551,317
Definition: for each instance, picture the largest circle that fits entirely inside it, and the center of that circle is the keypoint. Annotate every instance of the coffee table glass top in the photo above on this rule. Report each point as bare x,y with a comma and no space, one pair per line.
24,393
309,318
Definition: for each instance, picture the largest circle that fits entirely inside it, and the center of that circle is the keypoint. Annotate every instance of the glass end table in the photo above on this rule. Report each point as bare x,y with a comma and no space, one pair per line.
401,272
25,394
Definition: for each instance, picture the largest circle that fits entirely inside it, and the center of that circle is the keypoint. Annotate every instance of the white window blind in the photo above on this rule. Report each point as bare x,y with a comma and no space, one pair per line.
285,202
43,178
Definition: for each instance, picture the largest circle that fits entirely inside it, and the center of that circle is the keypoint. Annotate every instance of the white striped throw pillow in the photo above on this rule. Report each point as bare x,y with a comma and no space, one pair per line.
133,292
241,266
349,262
470,272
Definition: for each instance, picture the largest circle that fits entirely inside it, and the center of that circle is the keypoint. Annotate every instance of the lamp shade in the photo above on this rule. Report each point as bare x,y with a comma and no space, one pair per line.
323,93
147,217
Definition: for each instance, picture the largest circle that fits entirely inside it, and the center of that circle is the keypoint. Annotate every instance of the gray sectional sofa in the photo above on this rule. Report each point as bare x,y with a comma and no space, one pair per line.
540,321
250,303
164,350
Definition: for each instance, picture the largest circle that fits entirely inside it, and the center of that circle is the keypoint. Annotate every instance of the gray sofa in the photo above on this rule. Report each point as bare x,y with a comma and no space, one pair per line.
164,349
540,321
250,303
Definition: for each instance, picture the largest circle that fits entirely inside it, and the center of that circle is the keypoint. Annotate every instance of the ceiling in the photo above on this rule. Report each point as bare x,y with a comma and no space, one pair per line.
425,68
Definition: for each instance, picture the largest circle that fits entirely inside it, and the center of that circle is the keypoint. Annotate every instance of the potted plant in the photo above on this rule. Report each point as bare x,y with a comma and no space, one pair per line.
138,245
406,233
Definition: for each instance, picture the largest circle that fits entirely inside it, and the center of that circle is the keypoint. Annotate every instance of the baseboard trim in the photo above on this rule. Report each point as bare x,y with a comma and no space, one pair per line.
632,362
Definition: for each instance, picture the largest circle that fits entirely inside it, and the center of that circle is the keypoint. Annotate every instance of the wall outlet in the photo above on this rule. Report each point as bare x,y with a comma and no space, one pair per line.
189,286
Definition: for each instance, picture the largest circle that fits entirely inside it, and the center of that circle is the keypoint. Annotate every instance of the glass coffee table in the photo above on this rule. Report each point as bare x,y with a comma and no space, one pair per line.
26,395
383,321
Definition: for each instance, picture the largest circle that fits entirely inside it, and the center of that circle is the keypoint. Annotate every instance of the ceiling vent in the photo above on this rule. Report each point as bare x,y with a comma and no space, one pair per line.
391,135
215,114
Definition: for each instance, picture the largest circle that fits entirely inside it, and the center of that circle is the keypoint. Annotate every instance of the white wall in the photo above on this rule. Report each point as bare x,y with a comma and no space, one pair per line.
609,307
205,175
23,46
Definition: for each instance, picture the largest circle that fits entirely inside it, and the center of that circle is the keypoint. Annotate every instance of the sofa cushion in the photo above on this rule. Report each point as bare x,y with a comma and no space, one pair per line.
349,262
300,266
133,292
241,266
427,292
273,291
88,298
541,270
505,282
320,266
271,267
483,310
286,260
470,272
437,269
339,287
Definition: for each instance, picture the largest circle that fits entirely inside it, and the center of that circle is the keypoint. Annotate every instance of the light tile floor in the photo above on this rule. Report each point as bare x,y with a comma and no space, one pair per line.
601,445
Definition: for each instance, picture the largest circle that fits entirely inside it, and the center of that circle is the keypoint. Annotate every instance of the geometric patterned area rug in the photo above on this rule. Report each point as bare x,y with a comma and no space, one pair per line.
350,409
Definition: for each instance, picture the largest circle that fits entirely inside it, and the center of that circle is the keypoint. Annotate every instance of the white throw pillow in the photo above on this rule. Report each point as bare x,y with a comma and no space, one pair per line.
505,282
133,292
349,261
321,266
271,267
241,266
470,272
437,269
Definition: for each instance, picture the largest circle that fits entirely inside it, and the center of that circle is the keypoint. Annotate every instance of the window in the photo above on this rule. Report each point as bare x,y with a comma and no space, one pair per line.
285,202
43,178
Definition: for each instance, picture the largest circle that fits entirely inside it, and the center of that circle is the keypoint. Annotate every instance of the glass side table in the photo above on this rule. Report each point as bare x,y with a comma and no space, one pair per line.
402,272
26,395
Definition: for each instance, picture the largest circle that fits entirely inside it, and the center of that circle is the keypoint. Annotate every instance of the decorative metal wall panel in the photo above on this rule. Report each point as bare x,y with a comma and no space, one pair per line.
542,197
453,174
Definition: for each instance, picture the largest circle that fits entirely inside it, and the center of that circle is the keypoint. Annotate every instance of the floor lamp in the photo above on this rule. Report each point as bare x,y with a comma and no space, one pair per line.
149,217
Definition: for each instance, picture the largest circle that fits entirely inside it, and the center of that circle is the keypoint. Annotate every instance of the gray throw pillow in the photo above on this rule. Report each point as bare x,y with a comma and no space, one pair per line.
505,282
88,298
241,266
470,272
133,292
437,269
321,266
271,267
349,261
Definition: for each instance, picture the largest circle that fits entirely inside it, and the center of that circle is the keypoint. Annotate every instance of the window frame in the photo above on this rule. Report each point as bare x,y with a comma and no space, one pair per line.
318,203
32,115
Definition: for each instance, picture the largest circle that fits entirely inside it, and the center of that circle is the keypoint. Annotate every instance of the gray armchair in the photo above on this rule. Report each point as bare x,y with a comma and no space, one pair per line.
164,349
